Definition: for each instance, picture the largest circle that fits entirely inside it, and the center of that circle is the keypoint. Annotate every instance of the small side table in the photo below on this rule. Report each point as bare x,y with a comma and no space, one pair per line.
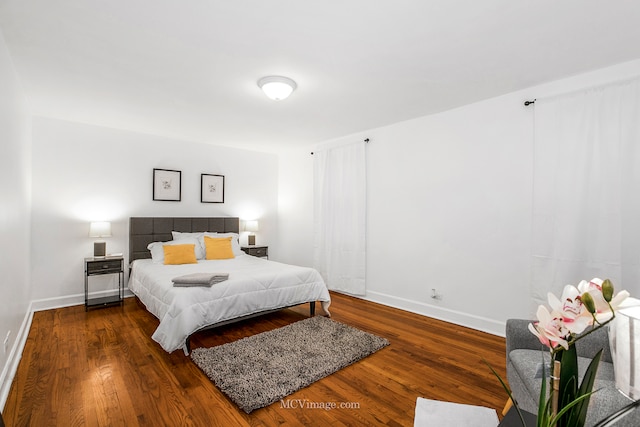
256,250
511,419
96,266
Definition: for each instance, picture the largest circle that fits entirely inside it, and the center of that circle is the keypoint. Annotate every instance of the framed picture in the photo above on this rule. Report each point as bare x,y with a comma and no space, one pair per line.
212,188
167,185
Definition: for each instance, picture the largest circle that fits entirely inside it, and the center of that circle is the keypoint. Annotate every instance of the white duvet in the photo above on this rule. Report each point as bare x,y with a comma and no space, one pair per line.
254,285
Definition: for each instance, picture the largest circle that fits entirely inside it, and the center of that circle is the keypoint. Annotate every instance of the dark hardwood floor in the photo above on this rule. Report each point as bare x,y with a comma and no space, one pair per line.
101,368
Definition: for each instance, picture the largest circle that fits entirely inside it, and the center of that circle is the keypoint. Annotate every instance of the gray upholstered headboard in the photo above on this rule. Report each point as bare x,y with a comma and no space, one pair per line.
145,230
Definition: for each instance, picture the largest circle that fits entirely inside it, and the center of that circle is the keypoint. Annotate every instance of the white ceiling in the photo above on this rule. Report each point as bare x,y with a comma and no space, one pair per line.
188,69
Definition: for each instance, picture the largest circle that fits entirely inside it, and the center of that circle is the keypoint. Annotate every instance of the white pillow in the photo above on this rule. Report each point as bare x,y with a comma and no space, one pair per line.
177,235
157,250
235,242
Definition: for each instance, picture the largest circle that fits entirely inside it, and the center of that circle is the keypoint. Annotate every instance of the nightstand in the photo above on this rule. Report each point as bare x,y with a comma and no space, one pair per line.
97,266
256,250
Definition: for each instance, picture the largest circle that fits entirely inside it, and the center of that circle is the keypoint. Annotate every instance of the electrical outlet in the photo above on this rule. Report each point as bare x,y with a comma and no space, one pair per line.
6,342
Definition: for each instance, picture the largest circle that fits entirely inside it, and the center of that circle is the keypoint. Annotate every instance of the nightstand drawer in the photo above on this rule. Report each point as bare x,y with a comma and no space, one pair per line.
257,251
106,266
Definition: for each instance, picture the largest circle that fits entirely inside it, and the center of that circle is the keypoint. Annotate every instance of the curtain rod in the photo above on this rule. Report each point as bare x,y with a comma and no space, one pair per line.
365,140
527,103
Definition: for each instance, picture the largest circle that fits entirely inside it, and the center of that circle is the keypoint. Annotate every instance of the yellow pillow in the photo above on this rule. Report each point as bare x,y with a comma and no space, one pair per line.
179,254
218,247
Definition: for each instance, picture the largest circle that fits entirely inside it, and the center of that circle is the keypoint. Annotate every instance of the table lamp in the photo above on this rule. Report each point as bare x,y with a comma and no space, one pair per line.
100,229
251,226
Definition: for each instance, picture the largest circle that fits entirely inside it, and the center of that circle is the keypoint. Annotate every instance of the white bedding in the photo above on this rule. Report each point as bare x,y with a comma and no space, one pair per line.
254,285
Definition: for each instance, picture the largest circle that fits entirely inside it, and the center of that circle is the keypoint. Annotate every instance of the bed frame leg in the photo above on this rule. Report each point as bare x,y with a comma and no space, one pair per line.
312,308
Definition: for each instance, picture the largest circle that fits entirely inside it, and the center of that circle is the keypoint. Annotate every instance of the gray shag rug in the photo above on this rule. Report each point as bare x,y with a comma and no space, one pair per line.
259,370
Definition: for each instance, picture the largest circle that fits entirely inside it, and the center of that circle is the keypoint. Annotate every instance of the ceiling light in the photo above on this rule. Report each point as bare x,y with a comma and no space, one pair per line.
277,87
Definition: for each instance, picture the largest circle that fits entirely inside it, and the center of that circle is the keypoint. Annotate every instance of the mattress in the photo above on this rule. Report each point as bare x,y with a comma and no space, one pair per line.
254,285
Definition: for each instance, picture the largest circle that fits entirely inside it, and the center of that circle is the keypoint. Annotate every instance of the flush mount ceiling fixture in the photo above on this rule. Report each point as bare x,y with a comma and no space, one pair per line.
277,87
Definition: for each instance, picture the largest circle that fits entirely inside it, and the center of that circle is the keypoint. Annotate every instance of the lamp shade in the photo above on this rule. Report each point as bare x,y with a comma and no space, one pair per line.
251,225
625,350
100,229
277,87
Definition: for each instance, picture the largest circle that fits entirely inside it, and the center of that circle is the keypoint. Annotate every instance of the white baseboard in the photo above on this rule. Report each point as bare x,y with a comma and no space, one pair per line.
459,318
69,300
11,367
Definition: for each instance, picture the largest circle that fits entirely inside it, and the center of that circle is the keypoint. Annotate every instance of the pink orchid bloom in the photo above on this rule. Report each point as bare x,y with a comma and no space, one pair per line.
603,311
571,309
550,329
617,300
569,303
593,284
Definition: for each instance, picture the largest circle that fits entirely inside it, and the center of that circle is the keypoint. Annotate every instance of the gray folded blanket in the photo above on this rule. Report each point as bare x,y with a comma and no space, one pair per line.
199,279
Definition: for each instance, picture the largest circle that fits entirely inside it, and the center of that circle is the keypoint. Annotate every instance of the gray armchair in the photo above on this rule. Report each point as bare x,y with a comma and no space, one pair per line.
525,354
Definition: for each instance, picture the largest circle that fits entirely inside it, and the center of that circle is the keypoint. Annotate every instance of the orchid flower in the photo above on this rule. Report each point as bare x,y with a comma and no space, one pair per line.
571,308
550,329
603,309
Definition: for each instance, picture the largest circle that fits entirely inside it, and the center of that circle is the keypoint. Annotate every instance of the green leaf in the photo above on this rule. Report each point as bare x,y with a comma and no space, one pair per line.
571,406
568,382
579,415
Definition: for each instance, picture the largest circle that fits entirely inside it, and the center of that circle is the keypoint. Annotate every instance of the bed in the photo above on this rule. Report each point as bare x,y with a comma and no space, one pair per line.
255,286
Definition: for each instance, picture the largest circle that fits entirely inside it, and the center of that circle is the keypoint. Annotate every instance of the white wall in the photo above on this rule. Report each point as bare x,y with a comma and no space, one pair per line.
15,181
449,207
83,173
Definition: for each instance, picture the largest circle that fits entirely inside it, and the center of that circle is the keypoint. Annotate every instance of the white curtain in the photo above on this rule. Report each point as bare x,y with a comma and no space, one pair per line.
340,216
586,194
